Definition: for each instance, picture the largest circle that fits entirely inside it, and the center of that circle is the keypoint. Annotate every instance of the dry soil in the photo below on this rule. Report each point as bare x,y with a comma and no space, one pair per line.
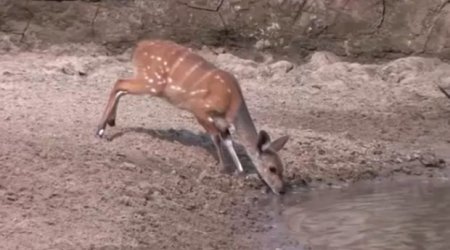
154,183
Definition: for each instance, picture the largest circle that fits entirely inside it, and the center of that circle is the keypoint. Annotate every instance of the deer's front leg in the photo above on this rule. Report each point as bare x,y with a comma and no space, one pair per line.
225,136
121,87
228,141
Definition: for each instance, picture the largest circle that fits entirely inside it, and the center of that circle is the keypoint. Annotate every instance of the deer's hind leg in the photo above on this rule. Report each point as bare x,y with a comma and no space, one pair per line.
121,88
214,134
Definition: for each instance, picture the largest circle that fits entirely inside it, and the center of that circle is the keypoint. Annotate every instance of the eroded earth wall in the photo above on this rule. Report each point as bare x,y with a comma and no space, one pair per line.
372,28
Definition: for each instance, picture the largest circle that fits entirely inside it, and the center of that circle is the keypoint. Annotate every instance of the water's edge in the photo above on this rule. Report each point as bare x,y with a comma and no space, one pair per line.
396,213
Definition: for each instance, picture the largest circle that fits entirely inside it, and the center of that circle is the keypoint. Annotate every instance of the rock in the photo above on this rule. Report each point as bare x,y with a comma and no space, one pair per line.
71,69
322,58
431,161
281,67
262,44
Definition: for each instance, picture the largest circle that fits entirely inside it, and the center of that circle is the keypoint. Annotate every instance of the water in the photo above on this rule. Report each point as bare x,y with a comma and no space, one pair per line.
400,216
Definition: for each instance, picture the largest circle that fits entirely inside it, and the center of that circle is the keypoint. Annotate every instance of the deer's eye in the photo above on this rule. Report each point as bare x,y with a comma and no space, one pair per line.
273,170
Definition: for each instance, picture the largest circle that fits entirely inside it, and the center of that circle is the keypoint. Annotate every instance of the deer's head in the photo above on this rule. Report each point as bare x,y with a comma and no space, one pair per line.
269,165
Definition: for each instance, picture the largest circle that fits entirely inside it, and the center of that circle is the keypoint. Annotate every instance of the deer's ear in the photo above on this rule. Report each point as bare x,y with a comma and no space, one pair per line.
263,141
279,143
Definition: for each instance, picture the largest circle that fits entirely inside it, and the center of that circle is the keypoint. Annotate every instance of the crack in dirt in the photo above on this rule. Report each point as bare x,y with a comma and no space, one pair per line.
197,7
431,28
27,24
97,11
383,14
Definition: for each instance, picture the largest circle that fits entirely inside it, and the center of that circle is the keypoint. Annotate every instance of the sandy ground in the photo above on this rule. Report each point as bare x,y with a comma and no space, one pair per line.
155,184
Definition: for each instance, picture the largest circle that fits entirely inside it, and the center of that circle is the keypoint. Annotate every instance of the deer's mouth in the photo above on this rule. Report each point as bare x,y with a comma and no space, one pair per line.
269,187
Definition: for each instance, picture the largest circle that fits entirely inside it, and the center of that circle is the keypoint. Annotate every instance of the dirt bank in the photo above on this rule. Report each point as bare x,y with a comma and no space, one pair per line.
155,184
357,29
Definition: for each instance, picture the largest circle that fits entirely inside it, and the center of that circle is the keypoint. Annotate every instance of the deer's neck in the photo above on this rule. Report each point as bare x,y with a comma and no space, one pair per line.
245,129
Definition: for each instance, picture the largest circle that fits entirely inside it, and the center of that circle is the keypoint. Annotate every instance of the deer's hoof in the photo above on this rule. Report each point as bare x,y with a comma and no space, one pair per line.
112,122
100,133
225,169
239,174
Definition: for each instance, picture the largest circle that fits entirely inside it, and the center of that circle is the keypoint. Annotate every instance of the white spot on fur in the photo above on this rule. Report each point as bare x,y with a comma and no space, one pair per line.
169,80
159,58
150,80
157,75
153,90
199,91
210,119
218,77
174,87
178,88
152,57
229,90
165,63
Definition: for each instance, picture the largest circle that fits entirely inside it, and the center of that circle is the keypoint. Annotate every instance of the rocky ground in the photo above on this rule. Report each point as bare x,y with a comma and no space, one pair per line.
155,184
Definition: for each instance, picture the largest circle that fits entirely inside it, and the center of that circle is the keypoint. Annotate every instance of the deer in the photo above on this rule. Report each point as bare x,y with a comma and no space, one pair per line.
168,70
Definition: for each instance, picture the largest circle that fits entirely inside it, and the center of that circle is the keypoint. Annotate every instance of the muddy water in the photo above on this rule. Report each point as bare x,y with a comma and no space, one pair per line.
400,216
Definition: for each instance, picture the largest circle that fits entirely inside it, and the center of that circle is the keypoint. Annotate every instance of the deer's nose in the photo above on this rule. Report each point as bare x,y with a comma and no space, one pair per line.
282,190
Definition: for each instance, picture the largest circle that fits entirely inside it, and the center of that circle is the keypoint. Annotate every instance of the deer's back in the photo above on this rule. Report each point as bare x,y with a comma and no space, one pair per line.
183,77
